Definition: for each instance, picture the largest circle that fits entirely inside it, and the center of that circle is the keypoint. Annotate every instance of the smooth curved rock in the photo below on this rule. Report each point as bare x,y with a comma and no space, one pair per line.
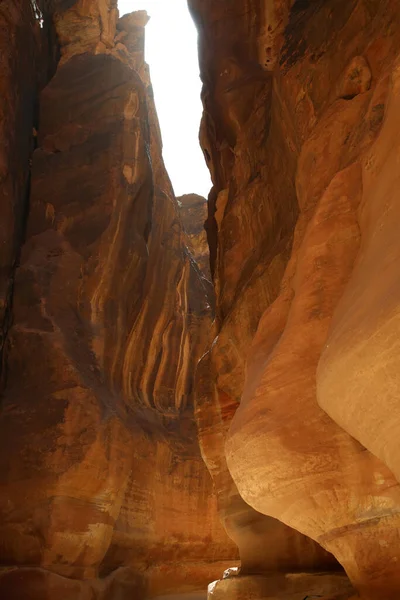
357,380
293,237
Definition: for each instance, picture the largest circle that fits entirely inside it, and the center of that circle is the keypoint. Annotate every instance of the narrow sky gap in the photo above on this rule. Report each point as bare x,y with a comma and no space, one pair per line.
171,51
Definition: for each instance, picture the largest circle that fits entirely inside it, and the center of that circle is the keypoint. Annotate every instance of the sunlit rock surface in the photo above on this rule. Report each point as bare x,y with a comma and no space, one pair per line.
298,419
103,492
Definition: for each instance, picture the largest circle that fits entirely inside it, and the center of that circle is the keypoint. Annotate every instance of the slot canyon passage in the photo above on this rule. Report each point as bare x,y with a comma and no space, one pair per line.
166,424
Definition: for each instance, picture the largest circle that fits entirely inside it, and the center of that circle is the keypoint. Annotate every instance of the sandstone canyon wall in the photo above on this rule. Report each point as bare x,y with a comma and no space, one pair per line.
109,343
298,423
103,492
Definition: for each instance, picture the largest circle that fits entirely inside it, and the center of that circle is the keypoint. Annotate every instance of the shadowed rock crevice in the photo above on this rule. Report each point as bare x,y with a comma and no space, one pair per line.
19,48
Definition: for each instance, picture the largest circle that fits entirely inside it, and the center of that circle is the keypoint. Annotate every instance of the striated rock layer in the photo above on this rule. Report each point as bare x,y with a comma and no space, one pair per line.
298,420
103,492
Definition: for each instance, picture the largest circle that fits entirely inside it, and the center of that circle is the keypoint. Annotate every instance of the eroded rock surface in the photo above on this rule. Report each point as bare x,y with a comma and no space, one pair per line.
300,406
103,492
109,332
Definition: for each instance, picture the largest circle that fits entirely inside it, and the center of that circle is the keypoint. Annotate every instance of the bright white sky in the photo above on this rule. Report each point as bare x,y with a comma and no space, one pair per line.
171,52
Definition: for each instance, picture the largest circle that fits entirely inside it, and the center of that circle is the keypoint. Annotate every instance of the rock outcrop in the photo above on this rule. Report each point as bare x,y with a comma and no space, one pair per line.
298,420
103,492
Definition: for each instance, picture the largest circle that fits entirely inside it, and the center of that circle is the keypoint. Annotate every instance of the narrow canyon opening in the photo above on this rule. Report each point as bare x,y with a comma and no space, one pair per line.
171,52
175,429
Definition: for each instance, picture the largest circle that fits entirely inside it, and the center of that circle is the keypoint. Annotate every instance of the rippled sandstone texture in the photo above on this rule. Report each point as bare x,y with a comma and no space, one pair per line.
103,493
299,420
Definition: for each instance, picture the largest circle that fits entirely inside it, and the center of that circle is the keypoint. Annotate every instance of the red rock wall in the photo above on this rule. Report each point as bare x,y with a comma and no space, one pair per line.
300,129
19,37
103,492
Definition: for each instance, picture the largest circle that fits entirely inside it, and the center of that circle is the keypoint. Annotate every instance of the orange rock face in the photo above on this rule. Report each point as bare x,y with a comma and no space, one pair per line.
103,492
298,420
119,384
